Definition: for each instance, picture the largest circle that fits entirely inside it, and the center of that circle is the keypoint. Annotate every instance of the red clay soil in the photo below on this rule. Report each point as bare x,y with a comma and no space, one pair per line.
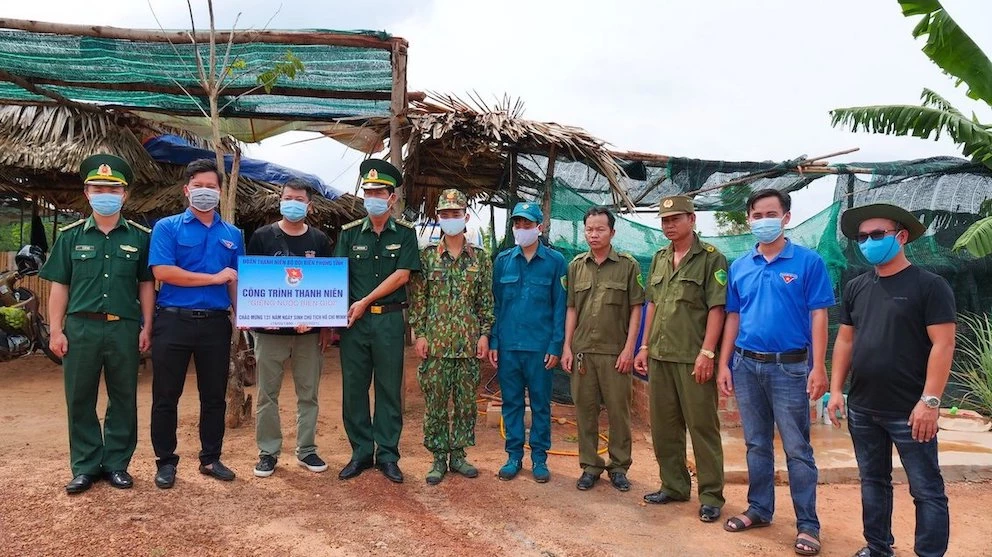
296,512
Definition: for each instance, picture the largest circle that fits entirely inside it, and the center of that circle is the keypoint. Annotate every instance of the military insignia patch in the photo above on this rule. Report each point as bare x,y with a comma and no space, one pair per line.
721,277
373,174
710,249
104,170
131,249
640,280
668,203
393,246
564,282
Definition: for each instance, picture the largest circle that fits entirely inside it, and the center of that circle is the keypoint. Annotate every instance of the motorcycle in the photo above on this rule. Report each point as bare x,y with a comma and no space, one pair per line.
23,327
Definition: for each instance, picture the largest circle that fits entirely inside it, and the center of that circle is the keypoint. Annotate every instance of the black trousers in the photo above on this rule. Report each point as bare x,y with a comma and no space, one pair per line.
175,338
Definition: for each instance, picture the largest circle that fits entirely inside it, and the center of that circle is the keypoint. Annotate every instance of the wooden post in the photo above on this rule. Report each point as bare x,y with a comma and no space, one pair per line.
397,108
548,184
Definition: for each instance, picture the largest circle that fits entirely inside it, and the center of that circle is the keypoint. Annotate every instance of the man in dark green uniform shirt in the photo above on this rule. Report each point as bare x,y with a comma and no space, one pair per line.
102,290
686,292
382,253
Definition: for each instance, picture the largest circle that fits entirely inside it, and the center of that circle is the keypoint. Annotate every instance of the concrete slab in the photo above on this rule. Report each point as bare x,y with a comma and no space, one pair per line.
964,456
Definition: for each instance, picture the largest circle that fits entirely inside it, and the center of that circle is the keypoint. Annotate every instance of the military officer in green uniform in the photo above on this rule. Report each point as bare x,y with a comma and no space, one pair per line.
604,298
100,312
382,254
451,313
686,292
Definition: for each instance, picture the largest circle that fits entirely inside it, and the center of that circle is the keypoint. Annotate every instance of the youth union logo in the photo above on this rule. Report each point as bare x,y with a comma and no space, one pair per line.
294,276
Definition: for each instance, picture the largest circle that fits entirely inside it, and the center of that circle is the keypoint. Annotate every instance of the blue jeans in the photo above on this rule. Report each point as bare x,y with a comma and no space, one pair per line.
770,395
873,438
519,371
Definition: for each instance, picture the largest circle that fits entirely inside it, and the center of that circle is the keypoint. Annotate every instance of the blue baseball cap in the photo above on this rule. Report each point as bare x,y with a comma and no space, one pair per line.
529,211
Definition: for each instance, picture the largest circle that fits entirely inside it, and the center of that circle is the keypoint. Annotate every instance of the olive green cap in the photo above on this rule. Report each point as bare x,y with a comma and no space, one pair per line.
676,205
105,170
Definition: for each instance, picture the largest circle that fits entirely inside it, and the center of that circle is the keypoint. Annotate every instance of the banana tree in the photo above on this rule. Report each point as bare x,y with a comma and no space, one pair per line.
948,46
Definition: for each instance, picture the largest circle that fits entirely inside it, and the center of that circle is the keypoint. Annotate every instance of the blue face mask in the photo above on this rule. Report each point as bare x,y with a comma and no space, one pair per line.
767,230
376,206
106,204
293,210
452,227
880,252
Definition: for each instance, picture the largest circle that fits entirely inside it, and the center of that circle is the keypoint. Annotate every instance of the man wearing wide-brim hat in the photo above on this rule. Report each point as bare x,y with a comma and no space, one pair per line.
100,313
896,341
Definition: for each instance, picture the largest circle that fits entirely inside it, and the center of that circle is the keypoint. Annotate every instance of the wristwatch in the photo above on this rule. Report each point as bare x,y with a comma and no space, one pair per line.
708,353
932,402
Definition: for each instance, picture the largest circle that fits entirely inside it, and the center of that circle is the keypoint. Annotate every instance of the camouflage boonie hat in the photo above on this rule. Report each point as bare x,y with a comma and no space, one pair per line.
452,199
676,205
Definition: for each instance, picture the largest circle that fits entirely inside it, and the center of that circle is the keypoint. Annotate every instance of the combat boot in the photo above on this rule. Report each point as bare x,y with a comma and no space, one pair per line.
462,466
438,469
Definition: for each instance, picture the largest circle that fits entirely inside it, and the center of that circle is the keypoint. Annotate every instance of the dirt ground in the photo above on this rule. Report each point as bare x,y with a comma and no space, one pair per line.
296,512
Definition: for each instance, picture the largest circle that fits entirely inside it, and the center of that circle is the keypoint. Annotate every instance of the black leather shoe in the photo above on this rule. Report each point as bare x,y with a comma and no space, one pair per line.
119,479
709,513
586,481
354,468
219,471
661,498
620,481
165,478
80,484
391,470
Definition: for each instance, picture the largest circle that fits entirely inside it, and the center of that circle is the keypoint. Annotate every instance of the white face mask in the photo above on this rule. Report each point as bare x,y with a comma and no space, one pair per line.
452,227
204,199
524,237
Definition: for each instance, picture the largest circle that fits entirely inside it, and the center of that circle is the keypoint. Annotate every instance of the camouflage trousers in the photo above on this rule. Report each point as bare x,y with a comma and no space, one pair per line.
443,380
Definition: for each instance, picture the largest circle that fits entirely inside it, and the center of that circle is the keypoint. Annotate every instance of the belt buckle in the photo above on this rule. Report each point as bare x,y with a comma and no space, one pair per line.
112,317
375,309
198,314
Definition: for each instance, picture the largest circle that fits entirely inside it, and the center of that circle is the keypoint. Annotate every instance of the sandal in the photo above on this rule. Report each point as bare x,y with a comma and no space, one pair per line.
735,524
811,540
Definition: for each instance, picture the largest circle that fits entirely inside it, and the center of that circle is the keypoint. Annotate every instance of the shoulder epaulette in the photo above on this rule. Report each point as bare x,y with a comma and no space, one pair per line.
140,227
577,257
73,225
405,223
628,256
708,247
352,224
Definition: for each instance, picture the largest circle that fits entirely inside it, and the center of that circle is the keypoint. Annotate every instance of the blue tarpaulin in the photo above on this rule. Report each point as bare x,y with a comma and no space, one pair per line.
173,149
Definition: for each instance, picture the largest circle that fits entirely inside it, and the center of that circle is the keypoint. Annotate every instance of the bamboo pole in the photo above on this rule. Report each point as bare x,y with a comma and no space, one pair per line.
32,88
549,178
397,109
181,37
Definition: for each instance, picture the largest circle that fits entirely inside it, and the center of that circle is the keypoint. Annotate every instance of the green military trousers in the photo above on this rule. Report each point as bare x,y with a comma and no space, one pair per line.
271,353
372,352
110,347
457,380
677,403
595,381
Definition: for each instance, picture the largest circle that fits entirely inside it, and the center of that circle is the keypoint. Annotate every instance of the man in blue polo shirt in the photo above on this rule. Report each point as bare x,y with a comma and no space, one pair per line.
527,337
195,256
777,300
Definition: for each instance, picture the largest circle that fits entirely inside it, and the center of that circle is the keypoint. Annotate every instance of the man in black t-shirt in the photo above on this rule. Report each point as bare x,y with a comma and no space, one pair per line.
896,339
289,237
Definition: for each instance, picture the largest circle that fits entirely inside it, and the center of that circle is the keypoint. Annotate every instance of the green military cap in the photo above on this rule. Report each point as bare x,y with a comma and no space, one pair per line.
378,174
676,205
452,199
105,170
851,220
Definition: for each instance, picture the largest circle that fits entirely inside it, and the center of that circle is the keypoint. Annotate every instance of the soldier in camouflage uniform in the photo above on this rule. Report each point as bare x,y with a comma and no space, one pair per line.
451,313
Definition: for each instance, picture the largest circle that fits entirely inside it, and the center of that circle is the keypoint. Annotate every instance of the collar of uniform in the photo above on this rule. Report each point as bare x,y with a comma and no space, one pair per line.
697,246
367,224
442,247
786,252
188,216
91,223
519,251
612,256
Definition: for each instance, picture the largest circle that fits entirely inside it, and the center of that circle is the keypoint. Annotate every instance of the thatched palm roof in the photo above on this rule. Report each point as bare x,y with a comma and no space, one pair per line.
41,147
470,146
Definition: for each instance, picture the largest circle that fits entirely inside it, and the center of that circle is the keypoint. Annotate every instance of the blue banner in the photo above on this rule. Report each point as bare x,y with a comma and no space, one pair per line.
292,291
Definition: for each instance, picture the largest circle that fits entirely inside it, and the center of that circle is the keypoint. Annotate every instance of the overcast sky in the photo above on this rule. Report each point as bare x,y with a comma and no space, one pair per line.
713,79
